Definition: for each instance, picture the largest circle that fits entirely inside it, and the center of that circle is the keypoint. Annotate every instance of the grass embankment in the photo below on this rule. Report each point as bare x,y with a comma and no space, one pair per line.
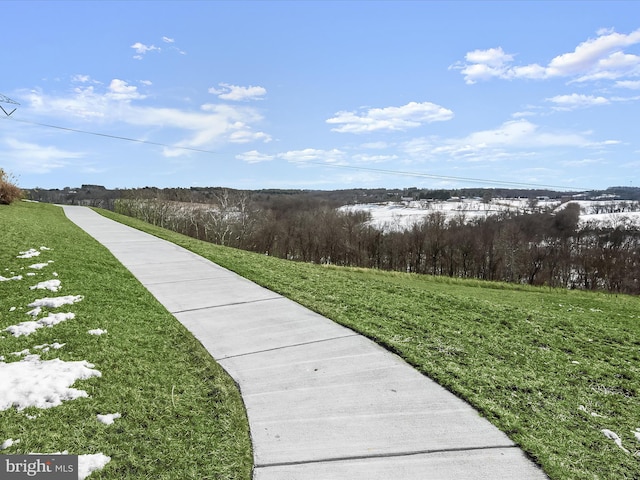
182,416
551,368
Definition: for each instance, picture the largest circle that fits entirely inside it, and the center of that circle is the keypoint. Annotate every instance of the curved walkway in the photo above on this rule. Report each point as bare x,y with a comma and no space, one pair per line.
323,402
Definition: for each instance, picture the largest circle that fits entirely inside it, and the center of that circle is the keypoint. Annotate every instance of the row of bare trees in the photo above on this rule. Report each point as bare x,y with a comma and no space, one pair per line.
538,249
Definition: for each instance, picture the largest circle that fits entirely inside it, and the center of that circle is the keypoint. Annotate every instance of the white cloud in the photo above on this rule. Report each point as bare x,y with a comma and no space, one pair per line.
313,155
142,49
594,59
81,78
493,57
526,113
366,158
120,90
411,115
632,84
514,138
168,40
34,158
238,93
582,163
254,156
375,145
117,104
573,101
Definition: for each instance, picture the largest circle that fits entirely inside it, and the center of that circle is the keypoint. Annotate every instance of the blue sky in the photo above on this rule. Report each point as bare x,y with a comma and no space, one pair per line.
321,95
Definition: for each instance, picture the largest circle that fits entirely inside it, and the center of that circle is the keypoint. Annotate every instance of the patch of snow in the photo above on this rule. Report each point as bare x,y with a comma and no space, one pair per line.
97,331
87,464
32,382
27,328
108,418
12,309
5,279
90,463
29,253
39,266
53,285
31,274
46,347
53,302
22,352
8,443
614,436
45,248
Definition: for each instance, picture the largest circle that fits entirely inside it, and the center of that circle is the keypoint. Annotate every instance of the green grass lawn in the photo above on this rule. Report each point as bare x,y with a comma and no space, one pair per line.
551,368
182,415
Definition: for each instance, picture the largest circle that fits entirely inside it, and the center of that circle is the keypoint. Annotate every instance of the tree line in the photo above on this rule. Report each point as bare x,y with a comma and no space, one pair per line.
542,248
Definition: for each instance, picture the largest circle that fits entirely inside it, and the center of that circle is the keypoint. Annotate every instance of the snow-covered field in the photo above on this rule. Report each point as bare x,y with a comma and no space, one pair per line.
29,381
394,216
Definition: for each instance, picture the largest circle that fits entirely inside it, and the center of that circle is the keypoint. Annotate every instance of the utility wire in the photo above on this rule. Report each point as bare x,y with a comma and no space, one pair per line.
117,137
333,165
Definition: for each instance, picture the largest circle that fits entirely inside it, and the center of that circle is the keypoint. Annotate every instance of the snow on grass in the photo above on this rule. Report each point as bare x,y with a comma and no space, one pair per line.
46,347
29,253
52,302
53,285
614,436
97,331
90,463
9,442
40,266
87,464
32,382
108,418
5,279
27,328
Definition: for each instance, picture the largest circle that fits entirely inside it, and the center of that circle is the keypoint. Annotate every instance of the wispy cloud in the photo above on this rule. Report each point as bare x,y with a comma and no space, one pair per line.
141,50
631,84
574,101
411,115
227,91
36,158
597,58
512,140
120,104
313,155
253,156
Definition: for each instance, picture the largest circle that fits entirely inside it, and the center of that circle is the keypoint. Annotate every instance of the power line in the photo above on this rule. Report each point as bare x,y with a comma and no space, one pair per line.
116,137
449,177
333,165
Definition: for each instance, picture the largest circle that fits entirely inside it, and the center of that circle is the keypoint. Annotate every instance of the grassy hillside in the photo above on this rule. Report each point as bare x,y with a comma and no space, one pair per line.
182,416
551,368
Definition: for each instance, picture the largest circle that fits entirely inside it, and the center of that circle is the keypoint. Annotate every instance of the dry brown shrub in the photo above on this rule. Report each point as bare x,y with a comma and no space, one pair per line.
9,191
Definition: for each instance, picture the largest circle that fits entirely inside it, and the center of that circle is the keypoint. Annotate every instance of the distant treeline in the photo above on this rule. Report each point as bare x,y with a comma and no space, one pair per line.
99,196
542,248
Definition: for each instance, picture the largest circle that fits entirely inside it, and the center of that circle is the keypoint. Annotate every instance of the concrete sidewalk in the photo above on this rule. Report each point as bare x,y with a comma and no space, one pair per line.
323,402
